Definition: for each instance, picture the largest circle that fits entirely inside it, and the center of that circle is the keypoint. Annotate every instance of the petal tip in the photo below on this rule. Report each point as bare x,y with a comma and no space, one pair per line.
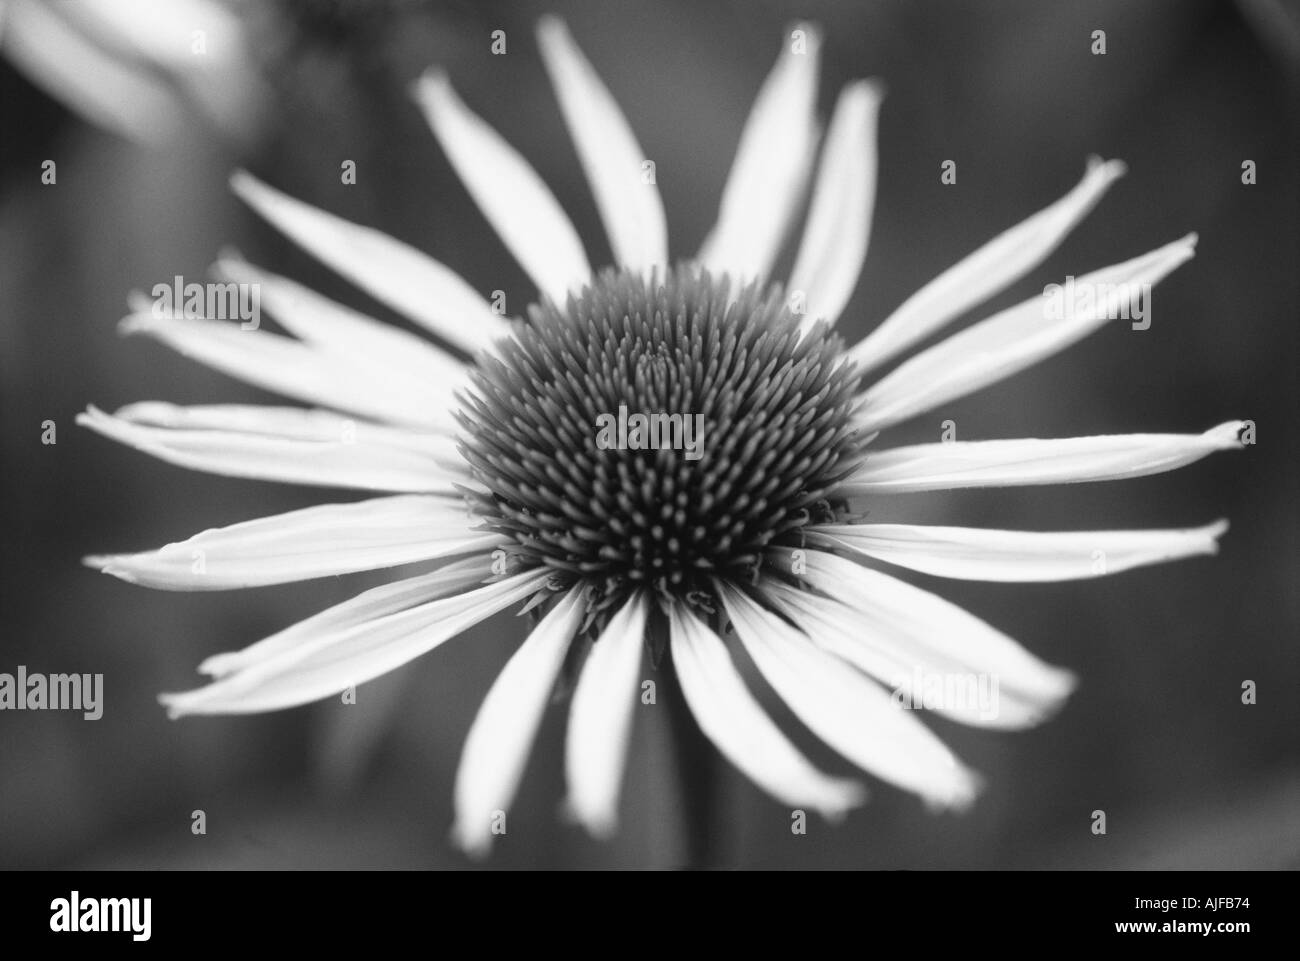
432,87
599,824
812,32
962,793
1228,434
139,322
851,795
551,29
244,185
109,564
91,417
473,844
1214,532
863,94
1107,171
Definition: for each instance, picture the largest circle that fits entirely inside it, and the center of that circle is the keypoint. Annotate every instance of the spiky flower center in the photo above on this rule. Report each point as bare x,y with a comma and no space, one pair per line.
659,435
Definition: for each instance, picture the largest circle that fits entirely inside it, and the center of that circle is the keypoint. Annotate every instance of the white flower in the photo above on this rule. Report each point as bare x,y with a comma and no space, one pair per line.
757,534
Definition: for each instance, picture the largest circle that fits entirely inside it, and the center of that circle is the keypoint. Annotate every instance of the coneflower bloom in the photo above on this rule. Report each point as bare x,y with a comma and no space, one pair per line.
492,473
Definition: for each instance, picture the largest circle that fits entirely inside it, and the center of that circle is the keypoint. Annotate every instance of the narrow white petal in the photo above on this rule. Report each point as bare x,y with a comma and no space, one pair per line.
738,726
1012,340
851,713
162,31
340,330
313,663
511,195
839,221
600,719
497,746
394,273
288,423
391,598
907,637
612,159
1019,463
338,462
767,177
977,554
221,79
294,369
300,545
104,87
993,267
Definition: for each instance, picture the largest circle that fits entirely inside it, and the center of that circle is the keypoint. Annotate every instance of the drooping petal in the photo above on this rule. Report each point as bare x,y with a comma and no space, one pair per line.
317,663
979,554
629,203
289,423
835,239
767,177
341,330
851,713
738,726
199,45
294,369
993,267
394,273
390,598
162,31
304,544
511,195
120,93
1012,340
338,462
501,737
600,719
1020,463
907,638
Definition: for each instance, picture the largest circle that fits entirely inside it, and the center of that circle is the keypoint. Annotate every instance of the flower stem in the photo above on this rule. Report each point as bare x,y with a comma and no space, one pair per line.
697,778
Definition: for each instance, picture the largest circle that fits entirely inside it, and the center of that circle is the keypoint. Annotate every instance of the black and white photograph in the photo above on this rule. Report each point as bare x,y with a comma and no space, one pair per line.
650,435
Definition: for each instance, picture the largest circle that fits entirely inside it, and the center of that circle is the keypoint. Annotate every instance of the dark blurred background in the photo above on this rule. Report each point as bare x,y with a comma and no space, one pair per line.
1156,735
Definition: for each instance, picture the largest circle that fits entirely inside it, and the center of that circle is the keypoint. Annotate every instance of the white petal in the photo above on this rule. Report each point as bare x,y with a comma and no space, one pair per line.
993,267
738,726
767,177
1019,463
296,370
160,35
978,554
103,86
852,714
901,634
511,195
600,719
839,221
497,746
1007,343
162,31
338,462
288,423
391,598
612,159
394,273
337,329
303,544
318,663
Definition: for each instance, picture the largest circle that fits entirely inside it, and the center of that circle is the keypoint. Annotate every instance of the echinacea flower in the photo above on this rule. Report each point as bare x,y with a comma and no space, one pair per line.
491,471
